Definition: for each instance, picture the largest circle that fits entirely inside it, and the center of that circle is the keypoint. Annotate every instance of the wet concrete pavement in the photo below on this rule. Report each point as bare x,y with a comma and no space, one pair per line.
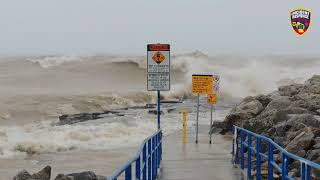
200,161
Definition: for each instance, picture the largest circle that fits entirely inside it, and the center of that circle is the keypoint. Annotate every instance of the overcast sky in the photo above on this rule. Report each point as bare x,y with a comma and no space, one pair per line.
105,26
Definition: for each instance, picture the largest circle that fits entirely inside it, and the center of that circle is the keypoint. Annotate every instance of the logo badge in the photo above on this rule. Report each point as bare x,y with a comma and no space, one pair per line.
158,57
300,20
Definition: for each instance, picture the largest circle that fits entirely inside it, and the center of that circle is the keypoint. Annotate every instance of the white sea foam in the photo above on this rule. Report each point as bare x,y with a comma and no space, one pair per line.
50,61
102,134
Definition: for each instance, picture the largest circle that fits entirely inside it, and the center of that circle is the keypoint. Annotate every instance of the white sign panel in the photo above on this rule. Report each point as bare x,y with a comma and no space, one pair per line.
158,67
216,84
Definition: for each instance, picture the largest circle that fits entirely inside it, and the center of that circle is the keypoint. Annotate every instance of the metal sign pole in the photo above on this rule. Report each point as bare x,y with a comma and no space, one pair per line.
210,124
158,109
184,127
197,119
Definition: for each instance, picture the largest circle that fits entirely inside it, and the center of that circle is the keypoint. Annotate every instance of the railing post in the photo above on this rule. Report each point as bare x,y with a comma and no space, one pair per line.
158,150
144,161
258,158
149,159
233,156
128,173
160,146
152,159
270,160
237,145
303,171
155,155
308,172
242,149
138,170
284,166
249,155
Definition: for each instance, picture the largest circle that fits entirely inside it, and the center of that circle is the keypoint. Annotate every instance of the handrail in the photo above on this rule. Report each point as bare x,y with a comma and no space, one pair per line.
245,135
147,160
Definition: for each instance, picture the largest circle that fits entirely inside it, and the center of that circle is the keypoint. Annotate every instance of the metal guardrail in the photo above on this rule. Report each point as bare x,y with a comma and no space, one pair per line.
244,137
146,161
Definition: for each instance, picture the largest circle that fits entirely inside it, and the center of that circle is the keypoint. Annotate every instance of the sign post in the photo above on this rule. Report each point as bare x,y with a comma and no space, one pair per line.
212,99
201,84
211,109
158,108
184,126
158,71
197,128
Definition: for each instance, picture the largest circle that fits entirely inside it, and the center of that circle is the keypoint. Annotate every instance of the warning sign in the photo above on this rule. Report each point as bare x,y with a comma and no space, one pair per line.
158,67
216,84
158,57
212,98
202,84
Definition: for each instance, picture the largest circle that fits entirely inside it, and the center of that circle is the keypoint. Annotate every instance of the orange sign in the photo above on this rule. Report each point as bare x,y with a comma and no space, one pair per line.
158,57
212,98
202,84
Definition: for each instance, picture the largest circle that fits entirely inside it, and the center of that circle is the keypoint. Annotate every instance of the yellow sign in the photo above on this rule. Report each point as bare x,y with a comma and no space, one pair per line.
202,84
158,57
212,98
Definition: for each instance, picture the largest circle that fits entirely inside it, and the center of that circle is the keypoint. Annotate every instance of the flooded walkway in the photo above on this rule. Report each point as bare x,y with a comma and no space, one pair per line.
198,161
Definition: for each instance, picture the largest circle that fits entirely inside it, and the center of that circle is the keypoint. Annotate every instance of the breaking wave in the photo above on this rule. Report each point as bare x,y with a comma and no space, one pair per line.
46,138
50,61
240,75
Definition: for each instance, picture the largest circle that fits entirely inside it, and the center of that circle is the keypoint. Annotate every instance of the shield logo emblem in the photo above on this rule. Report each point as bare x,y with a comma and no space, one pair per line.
300,20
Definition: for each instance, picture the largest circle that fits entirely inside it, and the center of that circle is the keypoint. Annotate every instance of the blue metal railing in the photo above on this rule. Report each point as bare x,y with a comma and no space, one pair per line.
244,138
147,160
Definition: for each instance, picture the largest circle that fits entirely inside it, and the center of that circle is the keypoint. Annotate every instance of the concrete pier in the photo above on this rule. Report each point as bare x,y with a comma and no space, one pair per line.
200,161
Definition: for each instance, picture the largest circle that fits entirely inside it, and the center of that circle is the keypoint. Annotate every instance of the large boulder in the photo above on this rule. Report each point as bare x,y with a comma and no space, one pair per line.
249,106
44,174
290,90
101,177
63,177
307,120
86,175
259,124
313,154
23,175
220,127
284,114
316,143
271,118
274,95
313,85
279,103
233,119
307,100
263,99
281,130
301,142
